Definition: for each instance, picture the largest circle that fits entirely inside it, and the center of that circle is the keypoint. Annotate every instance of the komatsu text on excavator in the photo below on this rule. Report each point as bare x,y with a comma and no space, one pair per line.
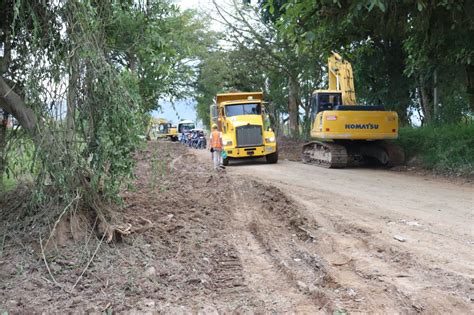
347,133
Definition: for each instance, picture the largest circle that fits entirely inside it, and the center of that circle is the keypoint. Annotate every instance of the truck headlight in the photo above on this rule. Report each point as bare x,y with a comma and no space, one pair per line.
270,139
228,143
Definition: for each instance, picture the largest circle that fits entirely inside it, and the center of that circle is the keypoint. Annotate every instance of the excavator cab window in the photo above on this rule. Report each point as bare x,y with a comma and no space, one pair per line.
163,128
324,101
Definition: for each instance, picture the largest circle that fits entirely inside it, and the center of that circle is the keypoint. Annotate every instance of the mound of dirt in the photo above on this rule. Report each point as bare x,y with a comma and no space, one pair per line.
290,149
180,255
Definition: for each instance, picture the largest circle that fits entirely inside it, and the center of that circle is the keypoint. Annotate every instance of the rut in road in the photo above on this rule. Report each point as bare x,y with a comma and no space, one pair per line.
372,272
289,262
264,245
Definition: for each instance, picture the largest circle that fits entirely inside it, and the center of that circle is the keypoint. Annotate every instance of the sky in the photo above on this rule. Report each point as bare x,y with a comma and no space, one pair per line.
185,109
182,109
195,4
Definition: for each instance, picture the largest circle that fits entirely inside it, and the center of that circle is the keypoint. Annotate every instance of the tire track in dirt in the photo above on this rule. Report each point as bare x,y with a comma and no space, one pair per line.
407,280
267,275
278,267
373,272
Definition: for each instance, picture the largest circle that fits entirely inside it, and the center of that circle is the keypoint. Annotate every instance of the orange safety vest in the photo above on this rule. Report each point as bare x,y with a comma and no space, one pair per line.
216,142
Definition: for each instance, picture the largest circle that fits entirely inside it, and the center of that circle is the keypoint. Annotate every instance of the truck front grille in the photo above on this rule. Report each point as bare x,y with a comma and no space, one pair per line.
249,136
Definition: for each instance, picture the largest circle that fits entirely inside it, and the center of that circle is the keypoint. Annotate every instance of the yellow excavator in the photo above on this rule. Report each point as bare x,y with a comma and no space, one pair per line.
159,128
347,133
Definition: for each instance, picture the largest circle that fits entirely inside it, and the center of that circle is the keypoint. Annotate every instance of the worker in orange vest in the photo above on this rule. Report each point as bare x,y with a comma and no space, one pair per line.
216,147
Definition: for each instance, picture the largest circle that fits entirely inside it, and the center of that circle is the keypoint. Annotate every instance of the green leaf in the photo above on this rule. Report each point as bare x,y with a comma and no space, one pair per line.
382,6
310,36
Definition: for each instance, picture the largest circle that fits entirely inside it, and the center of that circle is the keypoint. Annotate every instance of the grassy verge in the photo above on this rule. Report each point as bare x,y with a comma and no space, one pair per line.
19,166
446,149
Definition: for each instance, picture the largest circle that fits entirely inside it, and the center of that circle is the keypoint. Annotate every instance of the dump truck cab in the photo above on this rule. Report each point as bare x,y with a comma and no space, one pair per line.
241,119
185,126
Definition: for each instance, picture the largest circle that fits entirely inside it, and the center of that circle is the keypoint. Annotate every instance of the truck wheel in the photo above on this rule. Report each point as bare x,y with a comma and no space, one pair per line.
272,158
225,161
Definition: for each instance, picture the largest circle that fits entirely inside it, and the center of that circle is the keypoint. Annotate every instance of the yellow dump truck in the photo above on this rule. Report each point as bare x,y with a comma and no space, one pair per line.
244,125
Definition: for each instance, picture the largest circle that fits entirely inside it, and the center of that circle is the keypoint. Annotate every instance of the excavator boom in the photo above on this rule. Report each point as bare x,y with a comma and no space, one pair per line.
341,78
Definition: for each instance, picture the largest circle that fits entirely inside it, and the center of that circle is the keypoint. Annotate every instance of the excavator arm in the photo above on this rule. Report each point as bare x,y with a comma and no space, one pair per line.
341,78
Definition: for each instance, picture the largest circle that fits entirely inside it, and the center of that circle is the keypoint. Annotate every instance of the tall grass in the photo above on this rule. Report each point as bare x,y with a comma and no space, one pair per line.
443,148
20,164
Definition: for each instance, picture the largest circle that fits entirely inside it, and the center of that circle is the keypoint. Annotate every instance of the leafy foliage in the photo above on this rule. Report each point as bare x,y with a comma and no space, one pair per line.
448,148
90,71
401,50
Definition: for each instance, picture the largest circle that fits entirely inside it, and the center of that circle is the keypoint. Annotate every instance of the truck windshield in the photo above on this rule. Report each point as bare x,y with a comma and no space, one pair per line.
242,109
186,127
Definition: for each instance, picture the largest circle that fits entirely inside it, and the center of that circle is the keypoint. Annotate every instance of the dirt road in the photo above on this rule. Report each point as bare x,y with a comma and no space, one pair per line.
388,241
257,238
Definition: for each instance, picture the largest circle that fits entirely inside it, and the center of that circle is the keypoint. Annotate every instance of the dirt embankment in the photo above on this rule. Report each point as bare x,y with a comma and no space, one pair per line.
196,245
224,242
290,149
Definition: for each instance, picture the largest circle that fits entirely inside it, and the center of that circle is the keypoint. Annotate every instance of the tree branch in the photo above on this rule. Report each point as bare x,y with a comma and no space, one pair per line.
11,102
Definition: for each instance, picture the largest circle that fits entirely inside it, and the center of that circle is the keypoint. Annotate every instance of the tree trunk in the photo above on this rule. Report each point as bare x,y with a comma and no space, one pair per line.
3,142
71,100
293,104
426,104
307,117
132,63
11,102
470,85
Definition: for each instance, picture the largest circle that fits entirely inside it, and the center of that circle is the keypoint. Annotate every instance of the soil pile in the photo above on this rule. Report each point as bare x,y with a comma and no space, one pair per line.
290,149
185,251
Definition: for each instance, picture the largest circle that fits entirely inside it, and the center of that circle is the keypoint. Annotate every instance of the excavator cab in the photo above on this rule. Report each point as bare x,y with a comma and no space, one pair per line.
324,100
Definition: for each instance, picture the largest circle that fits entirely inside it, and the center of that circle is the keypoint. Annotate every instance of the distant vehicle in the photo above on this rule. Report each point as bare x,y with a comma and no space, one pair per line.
197,139
185,125
159,128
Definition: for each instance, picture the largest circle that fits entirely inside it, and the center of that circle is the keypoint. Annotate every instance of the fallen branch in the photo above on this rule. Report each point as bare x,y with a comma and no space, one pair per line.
307,232
46,263
59,219
342,264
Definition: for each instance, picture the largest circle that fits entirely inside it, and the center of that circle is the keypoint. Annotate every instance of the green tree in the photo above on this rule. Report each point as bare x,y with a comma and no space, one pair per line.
404,52
79,76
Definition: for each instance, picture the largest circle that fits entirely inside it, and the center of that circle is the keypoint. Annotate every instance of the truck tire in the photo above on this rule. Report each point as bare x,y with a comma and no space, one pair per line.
272,158
225,161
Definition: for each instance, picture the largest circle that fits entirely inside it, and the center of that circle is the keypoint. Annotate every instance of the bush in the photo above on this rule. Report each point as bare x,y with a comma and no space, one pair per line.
443,148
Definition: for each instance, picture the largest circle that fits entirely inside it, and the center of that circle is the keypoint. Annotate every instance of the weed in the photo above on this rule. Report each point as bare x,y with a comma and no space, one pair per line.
443,148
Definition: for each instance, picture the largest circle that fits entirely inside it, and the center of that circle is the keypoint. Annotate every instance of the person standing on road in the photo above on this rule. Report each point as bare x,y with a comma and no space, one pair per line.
216,147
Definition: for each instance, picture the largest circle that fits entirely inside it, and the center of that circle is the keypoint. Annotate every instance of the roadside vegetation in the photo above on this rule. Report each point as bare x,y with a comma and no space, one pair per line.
77,80
447,149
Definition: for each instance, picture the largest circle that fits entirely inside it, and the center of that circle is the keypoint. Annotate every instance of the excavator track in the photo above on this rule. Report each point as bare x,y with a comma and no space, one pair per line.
325,154
396,155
